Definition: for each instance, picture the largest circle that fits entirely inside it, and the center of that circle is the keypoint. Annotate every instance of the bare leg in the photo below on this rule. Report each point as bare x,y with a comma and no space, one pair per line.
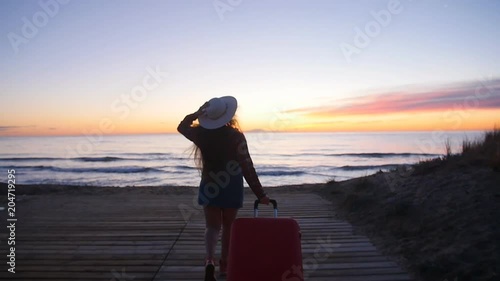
228,216
213,218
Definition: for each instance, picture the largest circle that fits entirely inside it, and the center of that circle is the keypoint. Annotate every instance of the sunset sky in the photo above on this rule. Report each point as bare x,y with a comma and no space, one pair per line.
119,67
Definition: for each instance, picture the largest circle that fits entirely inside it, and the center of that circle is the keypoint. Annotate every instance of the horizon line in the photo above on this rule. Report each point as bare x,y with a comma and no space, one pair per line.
257,131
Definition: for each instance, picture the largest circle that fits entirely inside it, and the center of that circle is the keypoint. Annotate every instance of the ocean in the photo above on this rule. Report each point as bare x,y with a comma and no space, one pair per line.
165,160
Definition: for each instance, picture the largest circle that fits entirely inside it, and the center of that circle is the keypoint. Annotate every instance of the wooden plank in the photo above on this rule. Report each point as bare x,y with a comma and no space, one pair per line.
197,260
34,243
130,261
29,257
391,277
37,275
333,257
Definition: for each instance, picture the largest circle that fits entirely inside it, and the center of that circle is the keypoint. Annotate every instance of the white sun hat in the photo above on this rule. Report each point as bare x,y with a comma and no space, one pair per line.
218,112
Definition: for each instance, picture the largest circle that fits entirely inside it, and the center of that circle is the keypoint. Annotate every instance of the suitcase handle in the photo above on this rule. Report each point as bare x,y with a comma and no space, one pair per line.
256,208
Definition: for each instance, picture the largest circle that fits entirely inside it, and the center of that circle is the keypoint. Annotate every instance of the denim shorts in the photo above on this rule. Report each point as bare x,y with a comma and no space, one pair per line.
222,192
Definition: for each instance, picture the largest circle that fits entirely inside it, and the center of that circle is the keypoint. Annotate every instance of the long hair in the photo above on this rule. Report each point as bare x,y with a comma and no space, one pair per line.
196,151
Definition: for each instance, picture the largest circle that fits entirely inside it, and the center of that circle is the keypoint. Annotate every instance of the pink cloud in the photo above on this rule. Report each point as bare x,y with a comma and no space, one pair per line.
478,95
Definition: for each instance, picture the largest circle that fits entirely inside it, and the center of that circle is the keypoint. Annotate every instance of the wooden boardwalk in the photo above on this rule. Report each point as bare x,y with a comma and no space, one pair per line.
160,237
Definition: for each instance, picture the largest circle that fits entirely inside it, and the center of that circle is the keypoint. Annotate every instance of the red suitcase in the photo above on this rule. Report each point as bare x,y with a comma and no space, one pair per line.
265,249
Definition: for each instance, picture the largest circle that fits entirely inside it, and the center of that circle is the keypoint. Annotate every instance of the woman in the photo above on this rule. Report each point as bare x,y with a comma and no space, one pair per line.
225,161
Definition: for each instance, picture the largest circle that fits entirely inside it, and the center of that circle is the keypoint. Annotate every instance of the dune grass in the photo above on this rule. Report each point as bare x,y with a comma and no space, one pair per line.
439,218
484,151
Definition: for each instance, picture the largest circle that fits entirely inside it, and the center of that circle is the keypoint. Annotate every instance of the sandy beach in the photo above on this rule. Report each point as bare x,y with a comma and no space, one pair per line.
442,224
439,224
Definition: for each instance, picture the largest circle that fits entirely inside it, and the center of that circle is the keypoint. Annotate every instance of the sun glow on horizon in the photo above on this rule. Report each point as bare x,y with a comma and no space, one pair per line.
140,67
470,120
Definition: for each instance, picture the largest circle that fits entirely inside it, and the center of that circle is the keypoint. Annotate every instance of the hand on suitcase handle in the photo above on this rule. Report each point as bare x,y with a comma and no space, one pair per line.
256,207
272,201
264,200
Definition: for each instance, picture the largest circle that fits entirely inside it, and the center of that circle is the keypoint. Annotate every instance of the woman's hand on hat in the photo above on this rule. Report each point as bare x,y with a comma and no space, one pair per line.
201,110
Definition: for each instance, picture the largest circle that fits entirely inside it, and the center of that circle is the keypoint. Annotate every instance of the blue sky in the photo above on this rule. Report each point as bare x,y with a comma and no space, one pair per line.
272,55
